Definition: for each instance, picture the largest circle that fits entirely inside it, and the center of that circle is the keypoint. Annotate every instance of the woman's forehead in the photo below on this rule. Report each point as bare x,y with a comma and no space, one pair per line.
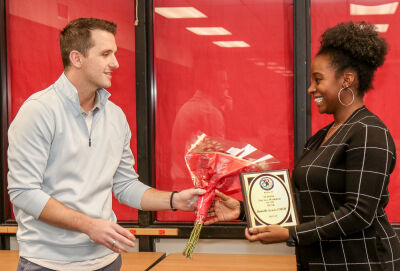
322,64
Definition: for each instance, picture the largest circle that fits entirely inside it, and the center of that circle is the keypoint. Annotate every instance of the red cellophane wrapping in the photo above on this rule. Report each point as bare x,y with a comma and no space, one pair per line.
215,163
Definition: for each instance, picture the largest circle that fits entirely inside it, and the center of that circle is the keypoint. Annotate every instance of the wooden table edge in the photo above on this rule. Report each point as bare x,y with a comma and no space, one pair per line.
160,259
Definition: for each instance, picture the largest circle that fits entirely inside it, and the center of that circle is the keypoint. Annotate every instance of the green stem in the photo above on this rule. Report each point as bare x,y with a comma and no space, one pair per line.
193,239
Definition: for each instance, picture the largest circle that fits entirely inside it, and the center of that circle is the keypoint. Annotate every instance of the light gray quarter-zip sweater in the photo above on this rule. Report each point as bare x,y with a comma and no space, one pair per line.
52,154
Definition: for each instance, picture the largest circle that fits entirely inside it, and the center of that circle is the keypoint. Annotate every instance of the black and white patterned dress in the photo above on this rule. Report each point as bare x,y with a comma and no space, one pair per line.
342,192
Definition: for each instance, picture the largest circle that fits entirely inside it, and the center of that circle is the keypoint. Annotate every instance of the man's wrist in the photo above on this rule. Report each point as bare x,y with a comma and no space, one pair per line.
171,199
86,224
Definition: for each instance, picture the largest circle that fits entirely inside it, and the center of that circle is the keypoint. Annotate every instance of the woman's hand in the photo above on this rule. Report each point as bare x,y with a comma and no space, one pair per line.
267,235
223,209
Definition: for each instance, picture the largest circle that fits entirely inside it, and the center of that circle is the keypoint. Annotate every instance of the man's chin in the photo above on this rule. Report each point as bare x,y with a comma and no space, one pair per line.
108,85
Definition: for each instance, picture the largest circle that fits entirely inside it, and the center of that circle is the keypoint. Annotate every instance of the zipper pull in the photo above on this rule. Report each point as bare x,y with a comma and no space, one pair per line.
90,142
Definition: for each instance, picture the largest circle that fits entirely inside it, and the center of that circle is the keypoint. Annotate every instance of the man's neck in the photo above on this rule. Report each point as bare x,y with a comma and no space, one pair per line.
85,93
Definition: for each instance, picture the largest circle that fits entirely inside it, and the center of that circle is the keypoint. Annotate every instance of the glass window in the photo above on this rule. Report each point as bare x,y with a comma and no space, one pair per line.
34,59
381,99
224,68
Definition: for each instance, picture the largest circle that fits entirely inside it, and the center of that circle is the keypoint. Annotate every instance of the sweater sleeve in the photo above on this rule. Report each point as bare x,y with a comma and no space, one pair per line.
126,187
29,137
370,158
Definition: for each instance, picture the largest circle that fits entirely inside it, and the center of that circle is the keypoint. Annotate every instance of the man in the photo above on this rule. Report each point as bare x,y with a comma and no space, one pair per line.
69,150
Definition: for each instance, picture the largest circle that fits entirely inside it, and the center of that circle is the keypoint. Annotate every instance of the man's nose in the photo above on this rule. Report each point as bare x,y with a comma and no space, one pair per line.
114,63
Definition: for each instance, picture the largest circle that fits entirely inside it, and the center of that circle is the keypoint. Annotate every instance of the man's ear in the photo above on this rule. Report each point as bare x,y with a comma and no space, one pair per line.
75,58
348,79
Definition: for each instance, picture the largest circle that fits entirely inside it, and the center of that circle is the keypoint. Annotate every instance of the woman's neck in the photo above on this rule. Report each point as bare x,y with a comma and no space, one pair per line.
343,113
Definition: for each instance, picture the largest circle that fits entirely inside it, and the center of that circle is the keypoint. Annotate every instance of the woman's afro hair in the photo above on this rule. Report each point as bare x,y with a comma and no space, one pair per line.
356,46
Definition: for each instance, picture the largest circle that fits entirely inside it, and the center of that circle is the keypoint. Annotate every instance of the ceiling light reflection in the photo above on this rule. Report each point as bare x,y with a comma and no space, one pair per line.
209,31
382,27
231,43
389,8
179,12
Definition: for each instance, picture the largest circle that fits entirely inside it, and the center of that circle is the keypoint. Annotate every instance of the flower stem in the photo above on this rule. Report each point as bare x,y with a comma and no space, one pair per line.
193,239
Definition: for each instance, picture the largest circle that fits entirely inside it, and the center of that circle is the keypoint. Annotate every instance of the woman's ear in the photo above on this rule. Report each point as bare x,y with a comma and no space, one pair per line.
75,58
348,79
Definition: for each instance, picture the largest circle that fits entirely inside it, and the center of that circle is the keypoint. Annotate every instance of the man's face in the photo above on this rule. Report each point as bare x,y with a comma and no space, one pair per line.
100,60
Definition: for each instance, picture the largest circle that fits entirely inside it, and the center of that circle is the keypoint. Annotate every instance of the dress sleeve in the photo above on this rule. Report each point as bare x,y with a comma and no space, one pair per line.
127,188
369,160
29,141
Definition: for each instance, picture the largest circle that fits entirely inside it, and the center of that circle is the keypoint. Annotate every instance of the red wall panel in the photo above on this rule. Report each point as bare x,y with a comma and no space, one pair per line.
242,94
382,99
34,60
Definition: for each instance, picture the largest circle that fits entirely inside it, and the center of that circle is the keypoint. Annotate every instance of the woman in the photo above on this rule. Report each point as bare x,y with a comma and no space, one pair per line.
342,177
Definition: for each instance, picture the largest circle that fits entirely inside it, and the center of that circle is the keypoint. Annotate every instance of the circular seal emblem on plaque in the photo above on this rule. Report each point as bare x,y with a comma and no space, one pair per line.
267,183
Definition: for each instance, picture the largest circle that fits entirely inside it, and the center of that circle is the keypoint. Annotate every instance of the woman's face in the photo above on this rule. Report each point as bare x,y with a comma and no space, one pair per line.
324,86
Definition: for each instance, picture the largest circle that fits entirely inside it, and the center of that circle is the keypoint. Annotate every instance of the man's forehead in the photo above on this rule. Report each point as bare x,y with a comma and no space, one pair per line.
102,38
102,34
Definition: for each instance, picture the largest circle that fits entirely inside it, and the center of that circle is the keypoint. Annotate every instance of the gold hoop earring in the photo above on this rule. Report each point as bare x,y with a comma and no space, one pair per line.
352,94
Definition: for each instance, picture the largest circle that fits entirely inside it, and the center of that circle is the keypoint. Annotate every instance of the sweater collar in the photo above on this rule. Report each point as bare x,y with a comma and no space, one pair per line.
68,91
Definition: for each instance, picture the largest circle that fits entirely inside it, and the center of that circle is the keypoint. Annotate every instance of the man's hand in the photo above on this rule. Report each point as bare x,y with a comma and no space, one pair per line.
100,231
223,209
186,200
111,235
267,235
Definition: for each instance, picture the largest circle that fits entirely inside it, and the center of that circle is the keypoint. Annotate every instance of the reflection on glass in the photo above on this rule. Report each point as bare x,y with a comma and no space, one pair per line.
382,27
389,8
227,91
231,43
202,113
209,31
179,12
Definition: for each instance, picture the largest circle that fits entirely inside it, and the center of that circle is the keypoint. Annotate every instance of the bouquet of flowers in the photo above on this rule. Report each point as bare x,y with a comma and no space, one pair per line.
215,163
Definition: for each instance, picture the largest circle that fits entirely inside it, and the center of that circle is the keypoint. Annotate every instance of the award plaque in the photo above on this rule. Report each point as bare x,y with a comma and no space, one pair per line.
268,198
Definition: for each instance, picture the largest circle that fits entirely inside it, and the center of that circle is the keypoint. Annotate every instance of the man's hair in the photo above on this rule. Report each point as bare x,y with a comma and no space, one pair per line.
77,36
